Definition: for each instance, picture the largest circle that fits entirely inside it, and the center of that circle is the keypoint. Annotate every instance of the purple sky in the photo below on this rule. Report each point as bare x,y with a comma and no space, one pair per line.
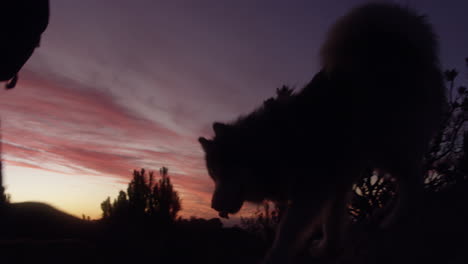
120,84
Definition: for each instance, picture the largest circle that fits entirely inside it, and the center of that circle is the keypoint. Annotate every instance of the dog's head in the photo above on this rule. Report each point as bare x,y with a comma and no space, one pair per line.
225,168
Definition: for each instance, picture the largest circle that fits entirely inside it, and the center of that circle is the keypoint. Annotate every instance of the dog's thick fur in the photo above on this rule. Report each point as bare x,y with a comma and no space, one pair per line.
376,103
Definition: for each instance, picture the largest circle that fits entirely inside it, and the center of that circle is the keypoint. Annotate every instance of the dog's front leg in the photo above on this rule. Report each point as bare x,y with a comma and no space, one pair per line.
335,222
410,191
299,223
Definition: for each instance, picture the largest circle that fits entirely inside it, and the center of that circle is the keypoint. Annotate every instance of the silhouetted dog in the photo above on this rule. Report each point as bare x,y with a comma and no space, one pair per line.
21,24
376,103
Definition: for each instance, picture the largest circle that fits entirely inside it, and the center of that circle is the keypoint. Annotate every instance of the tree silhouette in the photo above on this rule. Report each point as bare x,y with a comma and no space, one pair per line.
2,196
145,199
120,206
139,194
167,201
106,207
444,161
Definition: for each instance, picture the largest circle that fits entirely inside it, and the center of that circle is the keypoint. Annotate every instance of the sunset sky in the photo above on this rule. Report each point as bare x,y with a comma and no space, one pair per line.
119,85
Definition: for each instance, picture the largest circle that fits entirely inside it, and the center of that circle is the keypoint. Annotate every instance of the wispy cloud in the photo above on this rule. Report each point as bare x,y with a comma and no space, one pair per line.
60,126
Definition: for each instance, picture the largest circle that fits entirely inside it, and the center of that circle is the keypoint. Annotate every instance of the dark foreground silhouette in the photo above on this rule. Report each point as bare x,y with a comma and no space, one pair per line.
37,233
21,25
32,219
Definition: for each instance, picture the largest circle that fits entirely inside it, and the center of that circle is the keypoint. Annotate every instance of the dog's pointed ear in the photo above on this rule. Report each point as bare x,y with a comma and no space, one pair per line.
220,128
205,143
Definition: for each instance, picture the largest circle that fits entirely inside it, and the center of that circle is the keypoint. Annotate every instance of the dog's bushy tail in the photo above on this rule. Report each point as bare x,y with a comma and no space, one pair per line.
389,55
380,34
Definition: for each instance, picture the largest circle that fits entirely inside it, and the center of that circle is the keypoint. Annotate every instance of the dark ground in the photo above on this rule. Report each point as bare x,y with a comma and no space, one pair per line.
37,233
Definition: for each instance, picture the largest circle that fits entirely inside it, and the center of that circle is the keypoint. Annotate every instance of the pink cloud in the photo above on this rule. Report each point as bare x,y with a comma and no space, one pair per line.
62,126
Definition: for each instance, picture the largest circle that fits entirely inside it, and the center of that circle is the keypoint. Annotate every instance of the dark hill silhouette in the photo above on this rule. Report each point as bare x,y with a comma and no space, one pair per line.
33,232
36,220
